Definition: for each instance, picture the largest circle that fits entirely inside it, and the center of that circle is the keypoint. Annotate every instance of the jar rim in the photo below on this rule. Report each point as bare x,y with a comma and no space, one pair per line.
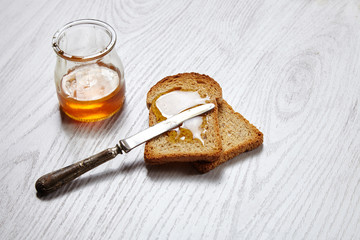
61,53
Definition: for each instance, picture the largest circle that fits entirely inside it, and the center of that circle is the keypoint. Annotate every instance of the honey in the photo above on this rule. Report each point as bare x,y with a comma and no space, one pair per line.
91,92
174,102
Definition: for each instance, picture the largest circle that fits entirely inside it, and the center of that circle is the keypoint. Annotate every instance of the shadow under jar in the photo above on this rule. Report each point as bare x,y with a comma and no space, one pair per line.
89,75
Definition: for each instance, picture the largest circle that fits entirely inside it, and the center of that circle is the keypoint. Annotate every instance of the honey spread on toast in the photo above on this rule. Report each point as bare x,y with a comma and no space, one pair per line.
175,101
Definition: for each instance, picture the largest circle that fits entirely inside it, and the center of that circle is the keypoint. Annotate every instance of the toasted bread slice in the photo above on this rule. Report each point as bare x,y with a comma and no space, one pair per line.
162,149
237,136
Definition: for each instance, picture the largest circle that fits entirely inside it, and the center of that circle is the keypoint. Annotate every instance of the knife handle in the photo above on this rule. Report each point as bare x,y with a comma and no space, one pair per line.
54,180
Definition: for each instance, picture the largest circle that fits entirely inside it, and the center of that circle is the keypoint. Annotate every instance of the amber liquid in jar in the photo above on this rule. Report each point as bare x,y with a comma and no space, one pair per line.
91,92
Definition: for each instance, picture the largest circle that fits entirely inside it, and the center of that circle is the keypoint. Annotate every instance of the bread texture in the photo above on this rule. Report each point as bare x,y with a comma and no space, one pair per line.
161,150
237,136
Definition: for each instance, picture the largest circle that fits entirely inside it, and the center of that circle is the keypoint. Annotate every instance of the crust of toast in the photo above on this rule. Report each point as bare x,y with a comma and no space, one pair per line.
160,150
237,136
202,83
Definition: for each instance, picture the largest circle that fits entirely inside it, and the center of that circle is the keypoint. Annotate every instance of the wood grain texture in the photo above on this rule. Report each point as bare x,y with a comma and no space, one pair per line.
290,67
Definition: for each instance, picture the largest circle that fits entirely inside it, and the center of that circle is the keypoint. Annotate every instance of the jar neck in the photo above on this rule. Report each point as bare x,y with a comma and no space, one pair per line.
84,40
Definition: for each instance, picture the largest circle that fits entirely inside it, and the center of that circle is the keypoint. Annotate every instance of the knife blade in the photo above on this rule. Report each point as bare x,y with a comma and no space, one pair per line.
170,123
56,179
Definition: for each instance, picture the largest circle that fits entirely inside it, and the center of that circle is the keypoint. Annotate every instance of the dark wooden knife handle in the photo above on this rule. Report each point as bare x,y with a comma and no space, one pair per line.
54,180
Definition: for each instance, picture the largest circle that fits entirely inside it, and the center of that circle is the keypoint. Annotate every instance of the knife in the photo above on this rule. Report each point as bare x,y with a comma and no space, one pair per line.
54,180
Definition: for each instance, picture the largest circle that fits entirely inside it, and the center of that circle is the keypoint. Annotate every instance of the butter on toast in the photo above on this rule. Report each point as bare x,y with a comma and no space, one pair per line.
237,136
162,149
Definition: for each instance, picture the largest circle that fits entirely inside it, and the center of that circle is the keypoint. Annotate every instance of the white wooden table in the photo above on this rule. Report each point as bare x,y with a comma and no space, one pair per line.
291,67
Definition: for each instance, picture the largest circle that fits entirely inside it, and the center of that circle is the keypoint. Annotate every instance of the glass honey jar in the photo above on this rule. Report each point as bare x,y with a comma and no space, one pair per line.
89,75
